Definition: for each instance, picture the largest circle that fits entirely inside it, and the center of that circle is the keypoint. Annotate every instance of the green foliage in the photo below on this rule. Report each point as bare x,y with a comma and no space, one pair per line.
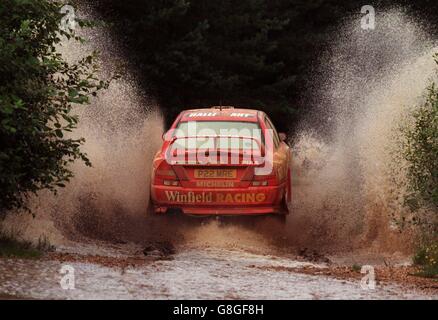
12,246
197,53
427,259
356,267
253,53
37,91
421,152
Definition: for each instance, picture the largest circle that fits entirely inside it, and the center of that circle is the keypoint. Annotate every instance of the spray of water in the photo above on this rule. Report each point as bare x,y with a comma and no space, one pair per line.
346,181
350,183
122,128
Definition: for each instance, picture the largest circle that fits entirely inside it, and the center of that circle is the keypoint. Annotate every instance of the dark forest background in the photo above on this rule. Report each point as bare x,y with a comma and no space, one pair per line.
253,53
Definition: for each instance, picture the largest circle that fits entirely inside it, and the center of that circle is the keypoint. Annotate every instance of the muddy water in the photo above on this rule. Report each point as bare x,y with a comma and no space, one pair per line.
350,180
208,261
342,198
344,195
191,273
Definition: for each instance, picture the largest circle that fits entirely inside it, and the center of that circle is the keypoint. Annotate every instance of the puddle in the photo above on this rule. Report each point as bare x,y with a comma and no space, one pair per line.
192,273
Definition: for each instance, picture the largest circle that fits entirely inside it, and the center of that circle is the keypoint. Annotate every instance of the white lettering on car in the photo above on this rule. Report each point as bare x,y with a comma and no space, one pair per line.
241,115
202,114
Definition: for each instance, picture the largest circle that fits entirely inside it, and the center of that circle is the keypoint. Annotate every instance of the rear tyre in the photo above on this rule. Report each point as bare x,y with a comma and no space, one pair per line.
288,192
280,219
274,220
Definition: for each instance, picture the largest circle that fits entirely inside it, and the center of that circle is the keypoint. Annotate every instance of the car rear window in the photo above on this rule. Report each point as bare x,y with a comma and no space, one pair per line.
202,134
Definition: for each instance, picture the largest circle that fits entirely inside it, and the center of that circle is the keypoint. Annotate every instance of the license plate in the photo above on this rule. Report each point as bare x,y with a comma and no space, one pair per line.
215,173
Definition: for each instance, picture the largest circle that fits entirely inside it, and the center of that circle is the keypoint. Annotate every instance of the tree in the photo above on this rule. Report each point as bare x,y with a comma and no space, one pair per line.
37,91
420,150
197,53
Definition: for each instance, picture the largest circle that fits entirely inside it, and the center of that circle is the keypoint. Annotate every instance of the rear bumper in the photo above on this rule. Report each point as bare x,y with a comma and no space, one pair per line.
236,201
212,211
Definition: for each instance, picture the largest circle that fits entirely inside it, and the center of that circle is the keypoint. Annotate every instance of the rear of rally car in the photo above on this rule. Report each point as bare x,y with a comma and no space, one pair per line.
202,171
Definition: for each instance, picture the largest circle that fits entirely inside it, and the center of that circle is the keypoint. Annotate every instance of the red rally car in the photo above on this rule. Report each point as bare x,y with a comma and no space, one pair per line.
222,161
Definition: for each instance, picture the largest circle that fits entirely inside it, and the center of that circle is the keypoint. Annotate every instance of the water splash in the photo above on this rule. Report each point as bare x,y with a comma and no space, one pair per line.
122,127
346,183
350,182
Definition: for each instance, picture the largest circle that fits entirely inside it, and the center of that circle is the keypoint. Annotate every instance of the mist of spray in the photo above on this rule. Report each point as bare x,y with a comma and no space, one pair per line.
347,183
349,180
122,128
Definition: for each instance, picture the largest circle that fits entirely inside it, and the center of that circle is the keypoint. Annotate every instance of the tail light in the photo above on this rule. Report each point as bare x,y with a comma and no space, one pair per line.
164,174
259,183
265,179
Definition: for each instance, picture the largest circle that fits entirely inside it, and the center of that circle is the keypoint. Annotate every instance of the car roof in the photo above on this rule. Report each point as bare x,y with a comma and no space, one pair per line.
220,113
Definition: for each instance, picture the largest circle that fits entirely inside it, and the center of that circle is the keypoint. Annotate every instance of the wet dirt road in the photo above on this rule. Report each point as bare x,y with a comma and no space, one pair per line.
125,272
